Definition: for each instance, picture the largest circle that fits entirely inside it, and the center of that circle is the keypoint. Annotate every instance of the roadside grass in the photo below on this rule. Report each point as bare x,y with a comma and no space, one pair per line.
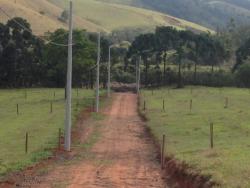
36,119
188,131
96,134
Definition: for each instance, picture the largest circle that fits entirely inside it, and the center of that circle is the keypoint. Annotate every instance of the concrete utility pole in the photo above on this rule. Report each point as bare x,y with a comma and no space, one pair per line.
138,75
98,72
109,74
67,141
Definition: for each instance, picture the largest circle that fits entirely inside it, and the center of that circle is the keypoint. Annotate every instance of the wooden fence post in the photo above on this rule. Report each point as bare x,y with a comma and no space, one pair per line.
226,102
163,105
25,94
59,138
211,135
93,105
17,109
26,142
191,105
77,103
51,107
144,105
65,93
163,152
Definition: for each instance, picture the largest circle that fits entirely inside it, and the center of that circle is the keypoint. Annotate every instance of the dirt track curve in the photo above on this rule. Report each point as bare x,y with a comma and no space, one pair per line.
124,156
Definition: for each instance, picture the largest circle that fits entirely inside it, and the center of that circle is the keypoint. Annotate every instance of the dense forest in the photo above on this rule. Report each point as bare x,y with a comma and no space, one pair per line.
169,56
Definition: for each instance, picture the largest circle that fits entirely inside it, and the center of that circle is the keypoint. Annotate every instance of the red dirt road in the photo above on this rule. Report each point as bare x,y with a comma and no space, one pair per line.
123,156
126,156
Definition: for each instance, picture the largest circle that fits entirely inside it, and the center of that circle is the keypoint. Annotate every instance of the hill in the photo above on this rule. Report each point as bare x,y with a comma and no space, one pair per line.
112,16
42,15
211,13
89,14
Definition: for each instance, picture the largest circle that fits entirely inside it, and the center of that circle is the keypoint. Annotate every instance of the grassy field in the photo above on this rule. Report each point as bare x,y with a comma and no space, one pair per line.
188,131
34,117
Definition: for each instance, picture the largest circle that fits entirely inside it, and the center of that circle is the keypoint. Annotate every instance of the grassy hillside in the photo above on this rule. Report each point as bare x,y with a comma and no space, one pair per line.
42,15
89,14
112,16
211,13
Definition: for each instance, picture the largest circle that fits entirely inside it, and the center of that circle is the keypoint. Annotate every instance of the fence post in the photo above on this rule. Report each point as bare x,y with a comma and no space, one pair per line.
25,94
17,109
51,107
26,142
162,152
77,103
54,95
93,105
226,102
59,138
163,105
65,93
77,92
191,105
211,135
144,105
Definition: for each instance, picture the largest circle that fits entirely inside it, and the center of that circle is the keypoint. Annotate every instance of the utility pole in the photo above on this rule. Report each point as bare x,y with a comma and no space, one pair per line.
109,71
138,75
98,72
67,145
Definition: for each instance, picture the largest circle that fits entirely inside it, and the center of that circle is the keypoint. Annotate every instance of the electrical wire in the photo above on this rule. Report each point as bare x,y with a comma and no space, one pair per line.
28,30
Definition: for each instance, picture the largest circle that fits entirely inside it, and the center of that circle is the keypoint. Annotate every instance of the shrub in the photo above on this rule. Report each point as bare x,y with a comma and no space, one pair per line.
243,75
124,77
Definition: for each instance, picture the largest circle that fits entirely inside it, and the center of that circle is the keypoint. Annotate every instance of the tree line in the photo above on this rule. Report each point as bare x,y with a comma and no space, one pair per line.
30,61
179,47
168,46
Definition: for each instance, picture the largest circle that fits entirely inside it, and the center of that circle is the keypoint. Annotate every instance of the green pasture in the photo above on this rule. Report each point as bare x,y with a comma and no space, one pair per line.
36,118
187,129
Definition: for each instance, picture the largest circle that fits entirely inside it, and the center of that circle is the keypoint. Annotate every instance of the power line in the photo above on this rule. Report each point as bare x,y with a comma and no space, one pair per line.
28,30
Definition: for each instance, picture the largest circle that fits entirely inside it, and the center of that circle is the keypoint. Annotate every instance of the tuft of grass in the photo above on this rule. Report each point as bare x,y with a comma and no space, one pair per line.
188,132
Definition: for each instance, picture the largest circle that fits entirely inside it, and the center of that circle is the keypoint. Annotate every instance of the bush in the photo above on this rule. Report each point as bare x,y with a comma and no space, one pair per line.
243,75
121,76
213,79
